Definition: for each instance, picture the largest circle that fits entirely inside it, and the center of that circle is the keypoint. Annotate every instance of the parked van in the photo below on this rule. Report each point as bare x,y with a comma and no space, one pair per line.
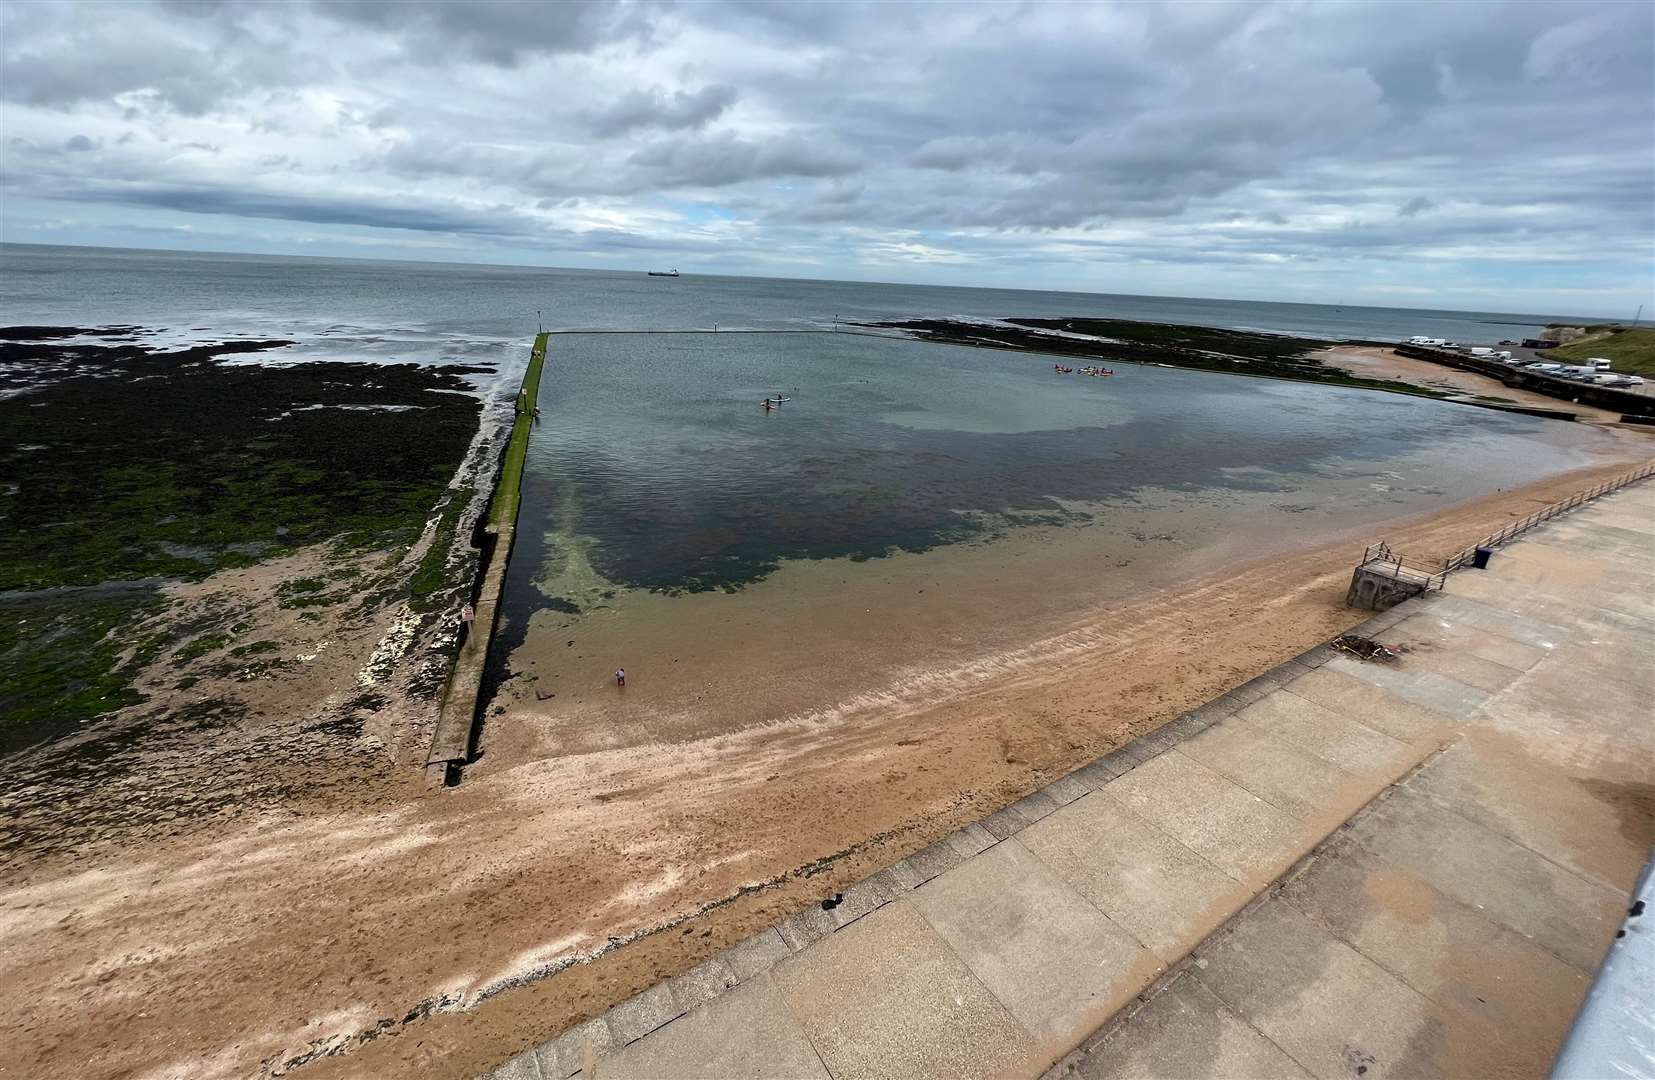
1480,353
1503,356
1598,362
1543,367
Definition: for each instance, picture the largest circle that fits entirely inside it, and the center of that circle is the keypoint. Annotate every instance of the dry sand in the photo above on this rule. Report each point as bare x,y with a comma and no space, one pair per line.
243,946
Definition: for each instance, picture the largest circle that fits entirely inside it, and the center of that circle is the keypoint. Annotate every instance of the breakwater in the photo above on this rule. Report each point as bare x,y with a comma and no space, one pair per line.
457,718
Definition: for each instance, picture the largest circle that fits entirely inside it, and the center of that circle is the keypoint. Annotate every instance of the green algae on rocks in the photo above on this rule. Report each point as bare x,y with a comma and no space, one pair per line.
127,467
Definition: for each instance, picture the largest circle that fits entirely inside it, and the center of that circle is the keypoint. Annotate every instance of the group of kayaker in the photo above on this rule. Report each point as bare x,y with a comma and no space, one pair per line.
1093,371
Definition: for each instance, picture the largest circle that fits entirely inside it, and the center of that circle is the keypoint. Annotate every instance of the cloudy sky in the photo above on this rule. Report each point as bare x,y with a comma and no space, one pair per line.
1458,155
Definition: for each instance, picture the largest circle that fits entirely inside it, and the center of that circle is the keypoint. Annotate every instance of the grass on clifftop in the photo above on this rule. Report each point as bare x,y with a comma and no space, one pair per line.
1629,350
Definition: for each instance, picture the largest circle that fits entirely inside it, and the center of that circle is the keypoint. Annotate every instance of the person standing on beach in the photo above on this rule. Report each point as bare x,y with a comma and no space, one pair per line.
620,676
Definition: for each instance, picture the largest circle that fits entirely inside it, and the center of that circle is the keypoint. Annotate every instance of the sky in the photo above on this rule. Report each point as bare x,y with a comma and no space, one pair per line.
1449,155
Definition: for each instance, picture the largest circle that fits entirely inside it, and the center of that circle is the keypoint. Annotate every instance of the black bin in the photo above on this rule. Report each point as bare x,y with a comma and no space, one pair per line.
1479,558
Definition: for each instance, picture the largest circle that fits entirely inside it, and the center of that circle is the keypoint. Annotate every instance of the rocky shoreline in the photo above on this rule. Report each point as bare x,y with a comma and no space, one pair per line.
1203,348
225,585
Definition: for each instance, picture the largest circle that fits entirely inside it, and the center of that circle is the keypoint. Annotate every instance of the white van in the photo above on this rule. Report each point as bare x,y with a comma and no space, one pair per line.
1480,352
1597,362
1503,356
1543,367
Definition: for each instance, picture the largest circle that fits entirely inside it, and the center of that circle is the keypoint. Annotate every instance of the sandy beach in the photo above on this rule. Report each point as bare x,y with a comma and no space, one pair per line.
1373,362
402,932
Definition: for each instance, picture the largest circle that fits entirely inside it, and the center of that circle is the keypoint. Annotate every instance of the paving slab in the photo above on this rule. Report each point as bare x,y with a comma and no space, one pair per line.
1510,884
887,996
806,927
1099,772
866,895
1327,736
522,1067
939,858
1293,782
636,1018
1333,1010
971,839
747,1034
1473,671
1054,960
1218,819
1184,1032
1536,633
1371,706
1422,687
1597,829
1066,790
1161,892
1491,980
757,953
570,1052
1561,583
1431,627
1577,719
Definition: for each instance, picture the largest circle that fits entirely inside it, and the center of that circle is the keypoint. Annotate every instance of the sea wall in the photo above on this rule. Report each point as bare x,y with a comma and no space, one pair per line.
451,741
1603,397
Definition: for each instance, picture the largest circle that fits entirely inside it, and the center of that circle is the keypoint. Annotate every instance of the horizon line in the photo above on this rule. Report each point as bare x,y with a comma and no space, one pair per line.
1578,316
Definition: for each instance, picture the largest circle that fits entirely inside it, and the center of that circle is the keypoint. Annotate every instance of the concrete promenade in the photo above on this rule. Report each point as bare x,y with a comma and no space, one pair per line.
1340,869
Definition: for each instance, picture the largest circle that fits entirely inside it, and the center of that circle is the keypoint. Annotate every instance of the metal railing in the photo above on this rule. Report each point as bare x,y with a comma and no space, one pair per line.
1433,574
1379,556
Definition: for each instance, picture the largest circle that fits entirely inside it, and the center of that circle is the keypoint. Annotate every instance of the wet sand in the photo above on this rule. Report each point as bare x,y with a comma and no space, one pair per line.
283,937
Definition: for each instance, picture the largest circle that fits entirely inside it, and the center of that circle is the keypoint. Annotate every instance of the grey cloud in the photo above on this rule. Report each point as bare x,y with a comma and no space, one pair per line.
1173,133
387,213
503,32
655,108
723,159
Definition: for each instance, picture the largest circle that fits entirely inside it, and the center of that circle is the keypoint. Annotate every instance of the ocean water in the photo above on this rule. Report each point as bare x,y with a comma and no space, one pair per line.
425,311
916,518
913,506
656,469
656,465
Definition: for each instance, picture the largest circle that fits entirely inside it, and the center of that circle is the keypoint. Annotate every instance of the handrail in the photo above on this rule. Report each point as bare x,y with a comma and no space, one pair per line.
1436,574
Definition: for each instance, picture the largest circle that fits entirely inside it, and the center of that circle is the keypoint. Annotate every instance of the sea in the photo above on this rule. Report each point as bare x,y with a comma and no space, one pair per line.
417,311
911,510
